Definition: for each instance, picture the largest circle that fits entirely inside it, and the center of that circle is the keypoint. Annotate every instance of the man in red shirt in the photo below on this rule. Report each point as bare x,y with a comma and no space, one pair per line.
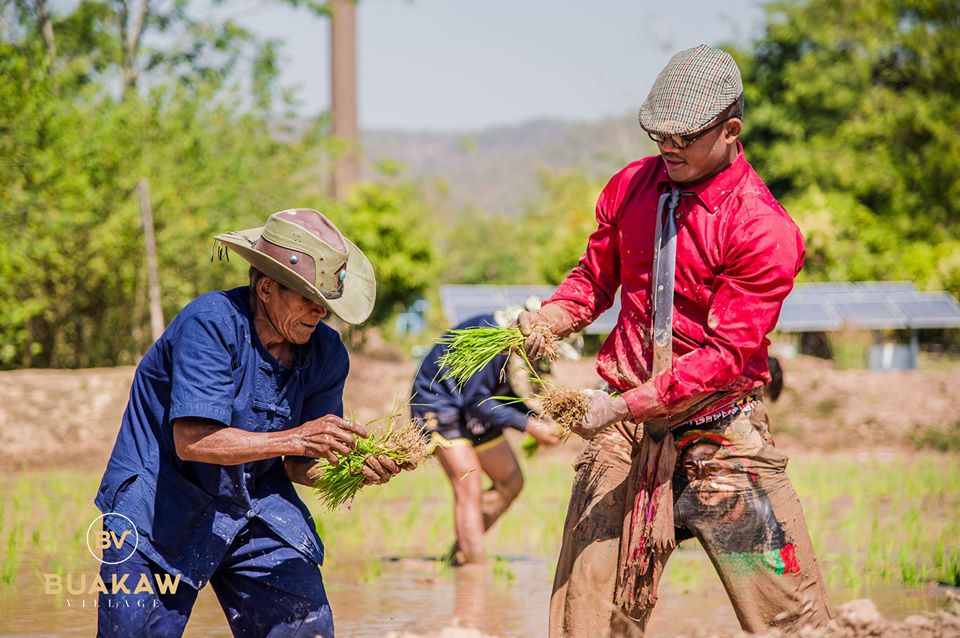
704,256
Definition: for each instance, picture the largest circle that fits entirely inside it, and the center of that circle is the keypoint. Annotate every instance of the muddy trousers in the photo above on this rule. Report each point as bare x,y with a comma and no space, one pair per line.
266,588
731,493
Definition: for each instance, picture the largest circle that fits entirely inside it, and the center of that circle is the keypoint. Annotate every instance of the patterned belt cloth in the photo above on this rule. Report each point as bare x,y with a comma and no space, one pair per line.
713,414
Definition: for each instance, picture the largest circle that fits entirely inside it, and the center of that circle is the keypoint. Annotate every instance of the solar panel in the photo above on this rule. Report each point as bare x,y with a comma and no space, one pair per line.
460,302
823,288
885,286
810,307
931,310
808,315
871,314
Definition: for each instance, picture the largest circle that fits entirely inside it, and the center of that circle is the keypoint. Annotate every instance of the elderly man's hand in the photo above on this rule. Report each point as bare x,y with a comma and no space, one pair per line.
379,469
604,410
325,437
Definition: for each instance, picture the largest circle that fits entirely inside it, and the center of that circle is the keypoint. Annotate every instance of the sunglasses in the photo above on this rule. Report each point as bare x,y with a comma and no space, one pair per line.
683,141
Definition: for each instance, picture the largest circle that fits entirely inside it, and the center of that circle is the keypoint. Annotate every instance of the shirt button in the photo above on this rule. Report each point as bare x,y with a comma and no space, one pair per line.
246,475
251,513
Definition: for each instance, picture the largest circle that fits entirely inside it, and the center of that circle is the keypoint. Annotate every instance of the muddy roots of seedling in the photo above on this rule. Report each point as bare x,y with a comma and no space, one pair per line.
566,407
404,443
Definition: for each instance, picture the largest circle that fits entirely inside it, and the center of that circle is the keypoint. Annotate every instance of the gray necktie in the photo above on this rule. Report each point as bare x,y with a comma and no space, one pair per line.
664,271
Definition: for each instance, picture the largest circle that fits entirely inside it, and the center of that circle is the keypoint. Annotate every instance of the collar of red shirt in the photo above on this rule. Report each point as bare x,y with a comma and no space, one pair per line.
713,191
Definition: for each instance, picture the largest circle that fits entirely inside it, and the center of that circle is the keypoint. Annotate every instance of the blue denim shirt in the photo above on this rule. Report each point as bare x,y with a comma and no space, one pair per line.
209,363
449,403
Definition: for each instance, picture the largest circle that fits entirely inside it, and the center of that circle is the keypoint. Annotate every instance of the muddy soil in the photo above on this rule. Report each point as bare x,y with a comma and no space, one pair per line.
860,618
69,418
855,619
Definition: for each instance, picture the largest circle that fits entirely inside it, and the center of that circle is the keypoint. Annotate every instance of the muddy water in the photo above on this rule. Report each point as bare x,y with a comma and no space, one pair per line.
507,599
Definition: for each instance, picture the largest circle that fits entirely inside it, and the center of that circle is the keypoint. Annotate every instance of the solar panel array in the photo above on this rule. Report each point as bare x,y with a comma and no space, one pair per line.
870,305
460,302
811,307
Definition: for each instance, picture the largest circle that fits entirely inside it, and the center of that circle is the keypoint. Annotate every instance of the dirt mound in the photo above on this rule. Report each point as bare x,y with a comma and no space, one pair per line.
829,409
70,417
860,618
448,632
60,417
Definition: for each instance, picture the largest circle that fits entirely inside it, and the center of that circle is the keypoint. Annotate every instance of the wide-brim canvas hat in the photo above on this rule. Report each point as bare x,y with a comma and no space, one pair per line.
303,250
694,87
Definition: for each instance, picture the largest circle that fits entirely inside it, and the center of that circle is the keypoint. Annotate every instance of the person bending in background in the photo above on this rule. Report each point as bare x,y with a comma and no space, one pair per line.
466,429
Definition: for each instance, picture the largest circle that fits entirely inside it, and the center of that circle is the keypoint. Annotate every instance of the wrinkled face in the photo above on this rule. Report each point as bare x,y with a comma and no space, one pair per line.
292,315
707,155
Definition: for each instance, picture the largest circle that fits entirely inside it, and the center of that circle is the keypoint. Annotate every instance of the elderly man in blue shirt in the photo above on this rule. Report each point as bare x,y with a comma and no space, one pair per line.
229,408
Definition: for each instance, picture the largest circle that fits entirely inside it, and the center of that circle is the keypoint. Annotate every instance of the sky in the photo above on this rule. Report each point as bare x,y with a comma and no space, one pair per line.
455,65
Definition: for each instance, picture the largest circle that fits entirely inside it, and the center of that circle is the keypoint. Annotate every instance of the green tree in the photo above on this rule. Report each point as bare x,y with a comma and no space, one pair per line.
389,223
486,249
561,220
853,119
202,130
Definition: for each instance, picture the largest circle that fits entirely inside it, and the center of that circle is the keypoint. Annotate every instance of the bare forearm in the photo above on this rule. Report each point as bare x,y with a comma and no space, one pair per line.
204,442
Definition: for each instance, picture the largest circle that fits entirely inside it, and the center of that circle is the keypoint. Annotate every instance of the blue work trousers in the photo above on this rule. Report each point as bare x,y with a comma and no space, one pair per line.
266,588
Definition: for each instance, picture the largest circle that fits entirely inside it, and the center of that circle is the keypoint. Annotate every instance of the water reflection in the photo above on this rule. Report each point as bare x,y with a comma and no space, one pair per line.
507,598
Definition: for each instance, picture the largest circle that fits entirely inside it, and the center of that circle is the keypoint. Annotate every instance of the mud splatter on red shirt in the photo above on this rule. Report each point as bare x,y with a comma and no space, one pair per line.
738,252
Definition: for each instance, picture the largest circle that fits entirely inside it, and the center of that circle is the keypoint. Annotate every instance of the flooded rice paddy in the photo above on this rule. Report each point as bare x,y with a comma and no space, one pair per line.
884,528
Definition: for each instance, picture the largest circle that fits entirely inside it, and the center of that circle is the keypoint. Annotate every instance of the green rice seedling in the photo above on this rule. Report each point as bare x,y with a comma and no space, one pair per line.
338,483
529,445
372,570
8,567
470,349
502,569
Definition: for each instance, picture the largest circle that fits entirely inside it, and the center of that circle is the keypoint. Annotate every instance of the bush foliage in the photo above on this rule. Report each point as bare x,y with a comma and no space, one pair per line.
852,118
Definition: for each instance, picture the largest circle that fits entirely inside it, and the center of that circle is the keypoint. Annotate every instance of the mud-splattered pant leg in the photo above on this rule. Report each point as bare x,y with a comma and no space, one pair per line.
583,588
732,492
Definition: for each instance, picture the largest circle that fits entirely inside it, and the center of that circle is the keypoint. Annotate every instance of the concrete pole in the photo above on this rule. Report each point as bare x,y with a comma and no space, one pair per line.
146,217
343,93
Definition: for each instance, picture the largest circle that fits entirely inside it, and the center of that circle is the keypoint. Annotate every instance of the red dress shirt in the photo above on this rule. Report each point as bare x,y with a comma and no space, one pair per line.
738,252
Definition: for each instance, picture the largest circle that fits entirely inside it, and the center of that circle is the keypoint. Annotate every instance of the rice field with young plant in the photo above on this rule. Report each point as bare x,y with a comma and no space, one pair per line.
879,522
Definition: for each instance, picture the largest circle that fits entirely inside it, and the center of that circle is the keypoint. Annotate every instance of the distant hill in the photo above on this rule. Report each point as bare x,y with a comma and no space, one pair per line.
497,169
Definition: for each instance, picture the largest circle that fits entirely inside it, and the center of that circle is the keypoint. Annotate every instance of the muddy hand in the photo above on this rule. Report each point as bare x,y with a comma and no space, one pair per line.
379,469
604,411
326,437
534,344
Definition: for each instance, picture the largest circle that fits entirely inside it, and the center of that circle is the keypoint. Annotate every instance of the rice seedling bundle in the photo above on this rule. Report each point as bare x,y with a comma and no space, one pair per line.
565,406
339,483
470,349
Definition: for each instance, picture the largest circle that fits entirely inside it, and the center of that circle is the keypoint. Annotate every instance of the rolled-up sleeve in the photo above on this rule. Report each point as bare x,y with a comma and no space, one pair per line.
202,383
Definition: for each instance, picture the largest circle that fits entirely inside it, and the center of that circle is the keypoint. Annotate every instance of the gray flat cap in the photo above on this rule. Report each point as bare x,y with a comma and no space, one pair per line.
696,86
